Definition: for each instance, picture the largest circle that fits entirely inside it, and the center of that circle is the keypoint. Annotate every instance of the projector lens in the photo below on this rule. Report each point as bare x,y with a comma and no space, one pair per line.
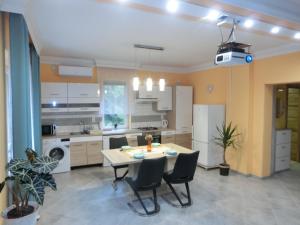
249,58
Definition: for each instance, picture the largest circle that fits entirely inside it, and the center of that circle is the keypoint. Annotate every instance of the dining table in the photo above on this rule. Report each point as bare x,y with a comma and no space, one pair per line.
133,156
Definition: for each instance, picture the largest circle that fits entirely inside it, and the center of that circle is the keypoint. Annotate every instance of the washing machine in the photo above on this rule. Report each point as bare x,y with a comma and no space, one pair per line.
58,149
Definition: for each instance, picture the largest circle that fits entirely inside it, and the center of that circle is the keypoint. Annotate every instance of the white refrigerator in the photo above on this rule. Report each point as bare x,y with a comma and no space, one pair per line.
206,118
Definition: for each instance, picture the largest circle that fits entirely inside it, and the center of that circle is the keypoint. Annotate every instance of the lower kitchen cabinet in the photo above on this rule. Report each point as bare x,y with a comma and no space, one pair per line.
132,142
86,153
94,155
184,140
78,154
167,139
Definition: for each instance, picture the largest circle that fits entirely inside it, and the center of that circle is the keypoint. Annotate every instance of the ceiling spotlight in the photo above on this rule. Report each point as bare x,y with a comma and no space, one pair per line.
275,30
213,15
248,23
123,1
172,6
297,35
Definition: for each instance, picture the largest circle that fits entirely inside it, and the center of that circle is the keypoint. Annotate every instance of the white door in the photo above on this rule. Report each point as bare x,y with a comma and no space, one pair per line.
216,118
200,123
184,107
54,90
165,99
77,90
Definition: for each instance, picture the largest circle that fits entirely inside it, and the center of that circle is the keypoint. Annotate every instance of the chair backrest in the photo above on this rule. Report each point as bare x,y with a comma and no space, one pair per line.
185,167
117,142
150,173
141,140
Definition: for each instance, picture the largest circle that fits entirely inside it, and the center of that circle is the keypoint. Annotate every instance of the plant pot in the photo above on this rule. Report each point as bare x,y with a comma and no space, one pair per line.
30,219
224,169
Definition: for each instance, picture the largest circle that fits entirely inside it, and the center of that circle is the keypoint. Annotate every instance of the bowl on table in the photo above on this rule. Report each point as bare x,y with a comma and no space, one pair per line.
171,152
139,155
155,144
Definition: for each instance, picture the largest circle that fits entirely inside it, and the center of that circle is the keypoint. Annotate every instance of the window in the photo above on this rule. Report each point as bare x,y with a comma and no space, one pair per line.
115,104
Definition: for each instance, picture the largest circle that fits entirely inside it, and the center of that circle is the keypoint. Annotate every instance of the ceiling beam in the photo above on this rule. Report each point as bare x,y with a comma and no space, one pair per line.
244,12
198,19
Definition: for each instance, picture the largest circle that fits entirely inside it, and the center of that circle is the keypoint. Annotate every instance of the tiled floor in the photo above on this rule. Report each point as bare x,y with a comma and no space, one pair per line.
86,197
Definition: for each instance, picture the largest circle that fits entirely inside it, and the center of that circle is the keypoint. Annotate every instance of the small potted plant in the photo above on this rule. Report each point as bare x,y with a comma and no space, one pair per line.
226,139
27,182
149,140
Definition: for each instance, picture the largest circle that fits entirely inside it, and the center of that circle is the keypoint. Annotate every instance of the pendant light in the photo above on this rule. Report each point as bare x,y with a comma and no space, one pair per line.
162,84
136,83
149,84
135,80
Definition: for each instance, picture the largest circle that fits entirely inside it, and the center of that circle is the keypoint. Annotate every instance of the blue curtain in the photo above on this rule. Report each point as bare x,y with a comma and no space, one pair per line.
22,124
36,99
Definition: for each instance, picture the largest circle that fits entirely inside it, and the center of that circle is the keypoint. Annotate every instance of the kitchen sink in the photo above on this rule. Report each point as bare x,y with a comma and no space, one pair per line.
80,133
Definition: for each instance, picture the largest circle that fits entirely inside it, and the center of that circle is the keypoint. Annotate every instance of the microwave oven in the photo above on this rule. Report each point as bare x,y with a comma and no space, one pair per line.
48,129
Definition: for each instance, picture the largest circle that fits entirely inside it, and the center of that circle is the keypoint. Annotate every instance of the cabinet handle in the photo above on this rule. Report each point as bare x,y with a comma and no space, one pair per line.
77,145
83,94
54,94
95,144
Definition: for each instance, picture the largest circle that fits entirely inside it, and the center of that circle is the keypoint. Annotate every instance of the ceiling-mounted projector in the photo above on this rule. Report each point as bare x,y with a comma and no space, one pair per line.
233,53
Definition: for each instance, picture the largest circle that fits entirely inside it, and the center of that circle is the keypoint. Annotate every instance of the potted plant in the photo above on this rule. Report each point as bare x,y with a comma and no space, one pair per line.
226,139
27,181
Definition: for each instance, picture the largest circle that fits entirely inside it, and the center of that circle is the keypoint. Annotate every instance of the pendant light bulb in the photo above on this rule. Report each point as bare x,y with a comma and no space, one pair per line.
162,84
136,83
149,84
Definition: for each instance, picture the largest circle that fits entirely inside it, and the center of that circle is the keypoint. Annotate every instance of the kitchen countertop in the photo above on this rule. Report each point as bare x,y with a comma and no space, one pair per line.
104,133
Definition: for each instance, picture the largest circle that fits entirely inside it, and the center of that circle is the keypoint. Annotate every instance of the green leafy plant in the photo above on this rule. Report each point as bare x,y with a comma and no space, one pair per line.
227,138
28,180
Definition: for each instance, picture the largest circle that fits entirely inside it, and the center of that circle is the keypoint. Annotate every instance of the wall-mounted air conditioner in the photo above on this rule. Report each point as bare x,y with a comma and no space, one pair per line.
77,71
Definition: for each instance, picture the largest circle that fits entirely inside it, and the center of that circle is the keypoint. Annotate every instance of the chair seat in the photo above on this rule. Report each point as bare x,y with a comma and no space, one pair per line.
168,177
133,185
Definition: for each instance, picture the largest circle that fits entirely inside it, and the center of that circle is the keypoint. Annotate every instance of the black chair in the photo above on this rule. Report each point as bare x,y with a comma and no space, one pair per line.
149,177
183,172
141,140
118,143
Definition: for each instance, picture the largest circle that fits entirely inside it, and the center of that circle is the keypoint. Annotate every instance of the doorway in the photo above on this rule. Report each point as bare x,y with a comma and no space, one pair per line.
287,123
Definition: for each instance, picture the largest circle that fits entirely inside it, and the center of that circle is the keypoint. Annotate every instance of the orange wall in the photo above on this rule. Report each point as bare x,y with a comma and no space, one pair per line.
248,93
49,73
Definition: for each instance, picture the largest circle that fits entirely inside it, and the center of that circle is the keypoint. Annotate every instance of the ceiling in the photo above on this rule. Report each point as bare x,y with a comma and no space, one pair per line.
105,32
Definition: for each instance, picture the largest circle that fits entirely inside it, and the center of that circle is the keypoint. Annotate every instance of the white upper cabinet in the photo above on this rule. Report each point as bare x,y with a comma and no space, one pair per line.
184,108
143,93
77,90
54,90
164,101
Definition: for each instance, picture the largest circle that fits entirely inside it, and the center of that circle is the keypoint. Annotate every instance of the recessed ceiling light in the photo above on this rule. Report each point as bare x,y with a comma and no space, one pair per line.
249,23
275,30
123,1
172,6
297,35
213,15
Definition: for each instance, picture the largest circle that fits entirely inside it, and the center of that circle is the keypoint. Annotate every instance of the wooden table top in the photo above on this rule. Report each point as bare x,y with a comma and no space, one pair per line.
118,157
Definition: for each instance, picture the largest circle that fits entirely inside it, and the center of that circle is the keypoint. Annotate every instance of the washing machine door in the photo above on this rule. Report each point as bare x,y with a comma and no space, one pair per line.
57,153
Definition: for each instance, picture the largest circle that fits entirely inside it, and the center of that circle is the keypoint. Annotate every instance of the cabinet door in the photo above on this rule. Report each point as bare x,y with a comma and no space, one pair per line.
143,93
165,99
94,154
167,139
54,90
184,140
184,107
83,90
78,154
